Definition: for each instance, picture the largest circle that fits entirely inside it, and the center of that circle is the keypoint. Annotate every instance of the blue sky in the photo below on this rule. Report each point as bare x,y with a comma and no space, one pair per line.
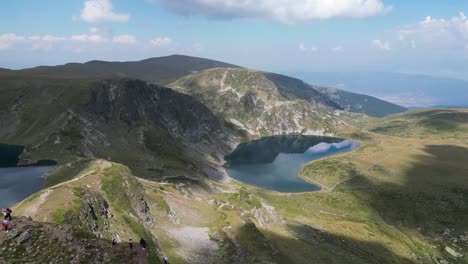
429,37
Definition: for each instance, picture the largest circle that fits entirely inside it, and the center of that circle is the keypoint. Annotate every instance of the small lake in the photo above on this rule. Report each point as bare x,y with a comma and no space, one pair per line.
17,183
274,162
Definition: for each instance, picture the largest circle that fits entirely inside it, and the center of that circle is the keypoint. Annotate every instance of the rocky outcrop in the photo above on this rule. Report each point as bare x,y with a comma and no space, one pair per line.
143,212
95,213
33,242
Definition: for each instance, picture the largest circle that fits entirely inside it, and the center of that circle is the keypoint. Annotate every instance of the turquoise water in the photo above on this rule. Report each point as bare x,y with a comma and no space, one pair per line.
281,174
17,183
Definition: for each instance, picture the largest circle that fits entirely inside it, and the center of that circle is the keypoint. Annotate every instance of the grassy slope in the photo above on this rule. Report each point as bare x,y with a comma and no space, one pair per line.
414,177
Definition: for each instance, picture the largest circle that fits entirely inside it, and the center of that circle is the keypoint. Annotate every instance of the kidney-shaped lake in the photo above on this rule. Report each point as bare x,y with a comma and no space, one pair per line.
274,162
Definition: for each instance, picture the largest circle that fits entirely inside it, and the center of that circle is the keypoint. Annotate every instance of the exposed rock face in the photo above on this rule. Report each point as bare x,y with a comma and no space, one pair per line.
144,208
262,103
144,213
95,211
33,242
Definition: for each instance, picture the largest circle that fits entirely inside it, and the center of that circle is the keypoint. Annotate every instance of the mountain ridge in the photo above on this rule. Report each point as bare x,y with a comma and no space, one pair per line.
168,69
260,102
159,70
165,131
361,103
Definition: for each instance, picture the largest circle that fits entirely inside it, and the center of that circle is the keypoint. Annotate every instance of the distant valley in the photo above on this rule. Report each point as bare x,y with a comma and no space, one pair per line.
403,89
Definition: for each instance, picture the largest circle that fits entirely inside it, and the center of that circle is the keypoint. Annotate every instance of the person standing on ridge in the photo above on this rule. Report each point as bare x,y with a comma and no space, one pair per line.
7,214
143,244
165,259
130,243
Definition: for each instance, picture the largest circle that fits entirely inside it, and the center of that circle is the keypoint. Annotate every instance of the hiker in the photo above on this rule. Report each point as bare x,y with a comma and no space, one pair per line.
5,225
165,259
130,243
114,242
7,214
143,244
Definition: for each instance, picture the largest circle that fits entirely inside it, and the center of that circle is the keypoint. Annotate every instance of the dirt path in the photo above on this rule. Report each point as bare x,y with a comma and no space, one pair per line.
32,209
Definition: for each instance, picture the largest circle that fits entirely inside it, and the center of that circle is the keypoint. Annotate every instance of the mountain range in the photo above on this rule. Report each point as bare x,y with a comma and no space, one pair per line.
102,109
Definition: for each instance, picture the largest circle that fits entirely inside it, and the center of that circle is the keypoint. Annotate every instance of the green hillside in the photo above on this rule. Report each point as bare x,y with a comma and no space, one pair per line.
452,123
154,130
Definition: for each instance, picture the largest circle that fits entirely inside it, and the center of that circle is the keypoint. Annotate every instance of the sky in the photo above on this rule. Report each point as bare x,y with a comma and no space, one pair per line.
426,37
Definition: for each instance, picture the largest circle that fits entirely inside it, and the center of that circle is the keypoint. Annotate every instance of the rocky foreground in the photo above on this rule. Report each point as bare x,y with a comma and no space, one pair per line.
32,242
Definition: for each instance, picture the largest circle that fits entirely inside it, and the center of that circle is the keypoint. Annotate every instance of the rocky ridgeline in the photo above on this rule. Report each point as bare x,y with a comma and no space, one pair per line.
33,242
261,103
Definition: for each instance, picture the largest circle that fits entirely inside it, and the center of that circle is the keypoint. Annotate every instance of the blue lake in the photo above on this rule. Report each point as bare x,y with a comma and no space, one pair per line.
17,183
275,163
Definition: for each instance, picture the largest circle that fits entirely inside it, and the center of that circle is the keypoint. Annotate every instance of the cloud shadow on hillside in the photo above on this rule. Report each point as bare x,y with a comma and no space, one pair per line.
433,196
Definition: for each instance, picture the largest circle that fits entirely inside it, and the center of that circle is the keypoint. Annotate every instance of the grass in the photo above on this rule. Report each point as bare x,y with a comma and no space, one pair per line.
328,172
424,124
115,187
66,172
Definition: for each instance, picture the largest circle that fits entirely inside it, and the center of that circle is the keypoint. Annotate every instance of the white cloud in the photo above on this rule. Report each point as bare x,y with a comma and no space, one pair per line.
94,38
101,11
48,38
304,48
45,42
381,44
37,42
94,35
7,40
436,33
338,49
161,41
124,39
284,11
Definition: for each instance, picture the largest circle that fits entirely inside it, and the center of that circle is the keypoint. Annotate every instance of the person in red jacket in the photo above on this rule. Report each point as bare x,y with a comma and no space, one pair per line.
5,225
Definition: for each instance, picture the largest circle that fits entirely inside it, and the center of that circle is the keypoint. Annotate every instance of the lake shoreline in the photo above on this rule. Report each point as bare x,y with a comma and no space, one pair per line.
291,154
18,183
324,188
